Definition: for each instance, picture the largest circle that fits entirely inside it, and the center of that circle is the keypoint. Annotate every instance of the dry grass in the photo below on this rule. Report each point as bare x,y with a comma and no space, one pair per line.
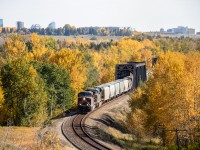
18,137
27,138
116,132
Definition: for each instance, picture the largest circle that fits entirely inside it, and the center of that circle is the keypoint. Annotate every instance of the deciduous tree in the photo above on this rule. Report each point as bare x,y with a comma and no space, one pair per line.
25,97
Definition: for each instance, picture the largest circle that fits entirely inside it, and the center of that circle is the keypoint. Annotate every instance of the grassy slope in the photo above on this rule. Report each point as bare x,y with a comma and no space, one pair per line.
18,137
27,138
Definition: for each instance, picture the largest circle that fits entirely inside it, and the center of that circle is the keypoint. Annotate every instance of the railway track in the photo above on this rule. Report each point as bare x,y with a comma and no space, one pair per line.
74,130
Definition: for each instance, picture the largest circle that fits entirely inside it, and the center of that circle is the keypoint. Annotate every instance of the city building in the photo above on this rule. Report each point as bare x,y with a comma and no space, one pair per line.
52,25
162,31
20,25
198,33
191,31
35,26
178,30
1,22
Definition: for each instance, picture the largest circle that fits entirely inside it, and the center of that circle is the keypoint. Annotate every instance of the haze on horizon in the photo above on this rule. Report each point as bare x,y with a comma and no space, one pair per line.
143,15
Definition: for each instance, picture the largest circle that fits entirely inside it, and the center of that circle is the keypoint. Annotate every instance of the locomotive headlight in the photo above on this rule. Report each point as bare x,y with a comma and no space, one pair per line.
80,104
84,98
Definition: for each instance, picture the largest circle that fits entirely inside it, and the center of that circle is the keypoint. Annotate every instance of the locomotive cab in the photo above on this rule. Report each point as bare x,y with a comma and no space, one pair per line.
85,101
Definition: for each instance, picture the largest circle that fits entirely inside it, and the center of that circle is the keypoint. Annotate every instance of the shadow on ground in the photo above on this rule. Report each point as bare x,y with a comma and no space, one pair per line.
65,114
100,134
110,122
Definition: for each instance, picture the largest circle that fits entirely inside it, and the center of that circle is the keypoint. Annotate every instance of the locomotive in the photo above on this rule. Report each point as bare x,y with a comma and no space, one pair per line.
91,98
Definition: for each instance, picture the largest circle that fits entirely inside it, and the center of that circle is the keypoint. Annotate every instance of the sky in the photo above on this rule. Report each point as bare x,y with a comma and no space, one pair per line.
143,15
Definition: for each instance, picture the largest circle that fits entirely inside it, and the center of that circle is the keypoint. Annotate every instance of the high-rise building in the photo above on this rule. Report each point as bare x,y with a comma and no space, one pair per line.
20,25
1,22
52,25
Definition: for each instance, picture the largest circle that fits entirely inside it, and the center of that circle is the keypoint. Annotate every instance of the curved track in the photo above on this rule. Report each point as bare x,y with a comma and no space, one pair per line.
79,128
74,130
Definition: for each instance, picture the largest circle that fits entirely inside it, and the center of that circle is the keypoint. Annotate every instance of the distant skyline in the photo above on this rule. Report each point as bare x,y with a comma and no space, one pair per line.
143,15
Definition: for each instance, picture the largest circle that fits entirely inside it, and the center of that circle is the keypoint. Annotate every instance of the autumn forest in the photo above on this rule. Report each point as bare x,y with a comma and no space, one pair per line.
41,77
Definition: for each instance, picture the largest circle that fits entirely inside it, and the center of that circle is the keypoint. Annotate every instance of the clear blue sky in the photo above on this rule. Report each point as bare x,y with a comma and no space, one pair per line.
143,15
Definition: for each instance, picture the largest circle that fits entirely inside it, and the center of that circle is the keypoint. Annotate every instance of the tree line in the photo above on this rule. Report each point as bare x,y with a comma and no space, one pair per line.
68,30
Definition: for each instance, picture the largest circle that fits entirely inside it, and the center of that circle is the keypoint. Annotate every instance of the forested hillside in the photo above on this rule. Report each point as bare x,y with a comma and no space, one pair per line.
41,77
167,106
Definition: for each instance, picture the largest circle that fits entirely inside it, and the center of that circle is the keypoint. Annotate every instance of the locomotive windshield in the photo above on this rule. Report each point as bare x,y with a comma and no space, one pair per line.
84,94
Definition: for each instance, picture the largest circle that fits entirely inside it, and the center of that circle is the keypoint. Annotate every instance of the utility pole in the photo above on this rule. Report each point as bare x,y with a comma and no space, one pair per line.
163,136
177,138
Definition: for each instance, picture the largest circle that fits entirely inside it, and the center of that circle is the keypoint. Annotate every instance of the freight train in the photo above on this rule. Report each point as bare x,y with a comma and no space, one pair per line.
90,99
128,77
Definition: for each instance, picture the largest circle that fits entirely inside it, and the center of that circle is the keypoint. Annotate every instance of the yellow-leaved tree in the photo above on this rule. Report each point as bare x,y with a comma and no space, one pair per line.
170,97
72,61
192,66
38,50
109,59
14,47
170,101
129,50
